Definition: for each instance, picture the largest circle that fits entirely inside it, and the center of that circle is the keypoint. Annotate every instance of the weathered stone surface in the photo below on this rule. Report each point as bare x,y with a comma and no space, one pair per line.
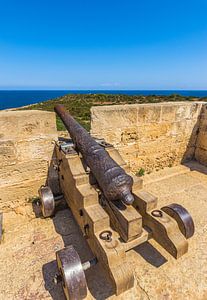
201,142
26,148
8,153
19,194
123,116
26,123
163,134
148,113
27,264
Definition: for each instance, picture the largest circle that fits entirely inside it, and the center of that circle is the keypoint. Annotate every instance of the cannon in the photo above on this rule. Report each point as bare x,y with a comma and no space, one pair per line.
113,211
112,179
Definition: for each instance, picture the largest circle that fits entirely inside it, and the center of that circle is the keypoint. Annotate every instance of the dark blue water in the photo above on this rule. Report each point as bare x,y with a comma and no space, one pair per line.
9,99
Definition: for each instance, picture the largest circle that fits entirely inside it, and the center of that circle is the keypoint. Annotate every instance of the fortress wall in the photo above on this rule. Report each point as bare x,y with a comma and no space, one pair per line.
201,144
150,136
26,149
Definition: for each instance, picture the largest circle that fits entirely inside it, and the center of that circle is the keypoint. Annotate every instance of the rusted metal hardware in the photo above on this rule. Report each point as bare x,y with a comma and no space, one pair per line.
112,179
106,235
183,218
47,201
71,273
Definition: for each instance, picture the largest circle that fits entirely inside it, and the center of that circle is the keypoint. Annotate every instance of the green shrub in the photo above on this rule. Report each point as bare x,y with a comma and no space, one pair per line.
141,172
79,104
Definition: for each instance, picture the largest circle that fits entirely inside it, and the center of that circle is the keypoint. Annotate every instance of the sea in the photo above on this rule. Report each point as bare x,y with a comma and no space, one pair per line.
12,98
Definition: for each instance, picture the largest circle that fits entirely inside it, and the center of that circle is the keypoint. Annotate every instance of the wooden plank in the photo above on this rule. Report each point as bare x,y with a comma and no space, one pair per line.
164,228
126,219
97,217
143,237
84,203
144,201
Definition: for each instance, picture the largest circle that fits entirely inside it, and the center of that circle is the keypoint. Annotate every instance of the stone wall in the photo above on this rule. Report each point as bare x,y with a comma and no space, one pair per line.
201,145
26,149
149,136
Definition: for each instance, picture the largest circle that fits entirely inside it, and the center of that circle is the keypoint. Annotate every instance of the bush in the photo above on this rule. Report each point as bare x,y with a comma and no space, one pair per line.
141,172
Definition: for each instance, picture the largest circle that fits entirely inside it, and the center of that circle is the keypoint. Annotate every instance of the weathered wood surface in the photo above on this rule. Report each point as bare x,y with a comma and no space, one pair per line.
83,200
130,226
164,229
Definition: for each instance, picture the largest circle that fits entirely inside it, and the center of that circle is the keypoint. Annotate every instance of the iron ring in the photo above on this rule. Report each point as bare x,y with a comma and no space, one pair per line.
106,235
157,213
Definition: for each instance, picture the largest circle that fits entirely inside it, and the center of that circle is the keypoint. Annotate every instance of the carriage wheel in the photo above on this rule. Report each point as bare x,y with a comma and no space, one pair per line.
47,201
72,273
183,218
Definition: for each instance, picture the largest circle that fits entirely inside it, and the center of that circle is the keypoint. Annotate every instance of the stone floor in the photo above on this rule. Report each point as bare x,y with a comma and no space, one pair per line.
27,253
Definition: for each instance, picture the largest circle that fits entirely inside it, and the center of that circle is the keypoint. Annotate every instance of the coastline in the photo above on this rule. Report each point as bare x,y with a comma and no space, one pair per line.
16,99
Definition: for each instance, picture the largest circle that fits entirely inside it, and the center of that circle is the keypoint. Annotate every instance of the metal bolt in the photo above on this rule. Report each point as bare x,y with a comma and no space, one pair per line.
38,203
88,264
58,197
57,278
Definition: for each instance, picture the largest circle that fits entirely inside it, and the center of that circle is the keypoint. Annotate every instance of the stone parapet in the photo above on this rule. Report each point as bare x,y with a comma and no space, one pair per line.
149,136
26,149
201,143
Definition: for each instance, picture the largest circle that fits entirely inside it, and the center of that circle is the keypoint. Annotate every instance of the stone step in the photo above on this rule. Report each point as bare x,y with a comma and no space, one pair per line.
165,173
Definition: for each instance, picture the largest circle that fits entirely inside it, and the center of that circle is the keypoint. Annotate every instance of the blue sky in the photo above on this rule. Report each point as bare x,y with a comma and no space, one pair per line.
109,44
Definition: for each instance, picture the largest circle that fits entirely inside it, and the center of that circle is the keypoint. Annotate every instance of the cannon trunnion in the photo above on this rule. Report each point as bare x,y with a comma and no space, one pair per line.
110,226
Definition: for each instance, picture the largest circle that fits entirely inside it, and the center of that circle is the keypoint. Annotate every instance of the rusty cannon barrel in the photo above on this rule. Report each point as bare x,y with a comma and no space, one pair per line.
112,179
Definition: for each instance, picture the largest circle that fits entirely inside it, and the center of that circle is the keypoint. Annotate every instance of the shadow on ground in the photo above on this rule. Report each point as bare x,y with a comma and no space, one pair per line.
97,282
150,254
195,166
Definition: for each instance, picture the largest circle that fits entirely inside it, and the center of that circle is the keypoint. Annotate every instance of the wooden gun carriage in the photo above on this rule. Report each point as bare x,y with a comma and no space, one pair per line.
113,219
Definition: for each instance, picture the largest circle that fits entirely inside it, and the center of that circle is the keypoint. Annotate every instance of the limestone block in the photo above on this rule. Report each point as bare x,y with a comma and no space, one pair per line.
188,154
22,172
188,111
184,128
201,155
27,123
149,113
196,109
203,124
129,149
26,149
178,128
40,148
153,131
129,135
153,146
203,114
168,113
8,153
202,140
112,117
182,112
19,194
112,136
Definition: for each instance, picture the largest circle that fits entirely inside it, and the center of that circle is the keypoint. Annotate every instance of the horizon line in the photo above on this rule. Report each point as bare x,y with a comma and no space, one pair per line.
74,90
